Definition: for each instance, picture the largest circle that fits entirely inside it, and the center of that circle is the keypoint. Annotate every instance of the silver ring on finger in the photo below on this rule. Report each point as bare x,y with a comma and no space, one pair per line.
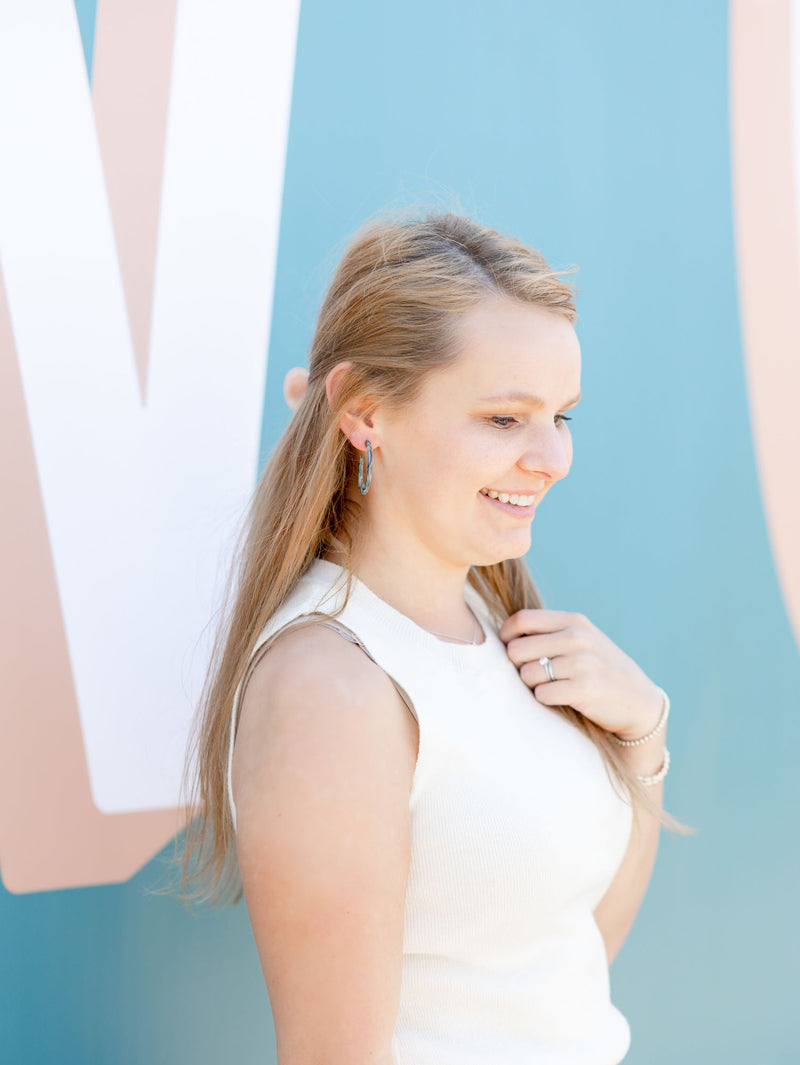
548,667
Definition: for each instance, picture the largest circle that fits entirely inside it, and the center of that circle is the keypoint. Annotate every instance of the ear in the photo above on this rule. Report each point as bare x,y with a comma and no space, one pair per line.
294,386
356,422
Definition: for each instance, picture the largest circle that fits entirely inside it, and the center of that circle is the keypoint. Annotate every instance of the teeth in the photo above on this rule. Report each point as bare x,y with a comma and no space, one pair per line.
504,497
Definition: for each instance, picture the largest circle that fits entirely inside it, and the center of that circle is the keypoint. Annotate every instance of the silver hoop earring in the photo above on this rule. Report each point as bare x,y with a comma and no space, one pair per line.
363,485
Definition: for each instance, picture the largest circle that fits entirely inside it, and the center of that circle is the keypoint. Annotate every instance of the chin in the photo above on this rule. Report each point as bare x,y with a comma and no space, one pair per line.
503,554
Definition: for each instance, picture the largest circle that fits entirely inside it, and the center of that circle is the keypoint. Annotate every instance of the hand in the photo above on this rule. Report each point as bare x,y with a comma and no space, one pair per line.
592,674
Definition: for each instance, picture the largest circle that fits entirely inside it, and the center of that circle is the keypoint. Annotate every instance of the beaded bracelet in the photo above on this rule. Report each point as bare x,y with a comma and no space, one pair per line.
656,777
643,739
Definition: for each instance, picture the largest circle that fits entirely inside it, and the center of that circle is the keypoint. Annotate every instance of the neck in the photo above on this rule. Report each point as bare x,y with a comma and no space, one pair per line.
422,587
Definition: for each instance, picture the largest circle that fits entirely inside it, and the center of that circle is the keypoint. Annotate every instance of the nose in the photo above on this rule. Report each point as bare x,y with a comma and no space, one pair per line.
549,454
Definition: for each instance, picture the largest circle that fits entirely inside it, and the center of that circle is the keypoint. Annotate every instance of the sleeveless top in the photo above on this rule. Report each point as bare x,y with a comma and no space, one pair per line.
516,833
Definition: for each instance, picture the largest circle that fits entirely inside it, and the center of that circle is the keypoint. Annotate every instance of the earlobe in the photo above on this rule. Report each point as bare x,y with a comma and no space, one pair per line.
357,428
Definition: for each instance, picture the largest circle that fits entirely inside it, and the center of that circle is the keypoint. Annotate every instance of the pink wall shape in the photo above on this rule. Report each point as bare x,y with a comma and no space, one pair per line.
764,155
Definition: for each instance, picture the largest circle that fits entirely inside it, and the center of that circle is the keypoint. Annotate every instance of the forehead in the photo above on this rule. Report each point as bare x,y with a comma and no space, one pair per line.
505,346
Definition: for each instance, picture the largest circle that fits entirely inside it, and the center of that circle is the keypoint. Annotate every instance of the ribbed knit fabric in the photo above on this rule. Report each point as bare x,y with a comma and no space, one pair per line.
516,833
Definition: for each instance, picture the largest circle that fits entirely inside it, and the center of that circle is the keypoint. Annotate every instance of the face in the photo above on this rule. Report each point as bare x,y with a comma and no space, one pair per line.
460,473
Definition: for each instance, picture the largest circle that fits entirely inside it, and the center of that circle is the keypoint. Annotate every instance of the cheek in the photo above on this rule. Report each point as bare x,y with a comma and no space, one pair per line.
452,478
422,464
449,464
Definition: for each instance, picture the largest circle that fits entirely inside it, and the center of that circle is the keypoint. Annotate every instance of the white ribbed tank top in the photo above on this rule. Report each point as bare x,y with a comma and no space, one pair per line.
516,833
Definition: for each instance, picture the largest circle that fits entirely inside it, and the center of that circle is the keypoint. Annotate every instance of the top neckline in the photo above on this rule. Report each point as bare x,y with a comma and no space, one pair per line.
333,575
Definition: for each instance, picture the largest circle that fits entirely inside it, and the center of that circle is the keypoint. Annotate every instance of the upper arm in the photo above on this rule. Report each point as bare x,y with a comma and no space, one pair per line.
616,911
323,765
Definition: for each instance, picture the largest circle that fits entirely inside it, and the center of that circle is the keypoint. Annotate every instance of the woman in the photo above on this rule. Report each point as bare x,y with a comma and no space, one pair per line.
443,800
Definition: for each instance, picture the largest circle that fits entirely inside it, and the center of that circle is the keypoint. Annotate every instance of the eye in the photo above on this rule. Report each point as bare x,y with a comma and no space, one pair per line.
563,418
503,421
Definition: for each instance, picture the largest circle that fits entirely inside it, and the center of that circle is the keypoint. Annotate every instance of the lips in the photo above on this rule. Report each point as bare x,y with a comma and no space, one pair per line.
515,511
520,499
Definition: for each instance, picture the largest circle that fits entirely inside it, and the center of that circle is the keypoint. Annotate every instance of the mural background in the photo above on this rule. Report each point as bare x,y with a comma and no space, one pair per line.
601,135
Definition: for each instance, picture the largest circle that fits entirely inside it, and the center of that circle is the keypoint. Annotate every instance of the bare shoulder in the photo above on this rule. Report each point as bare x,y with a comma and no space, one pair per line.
324,761
303,658
315,696
314,682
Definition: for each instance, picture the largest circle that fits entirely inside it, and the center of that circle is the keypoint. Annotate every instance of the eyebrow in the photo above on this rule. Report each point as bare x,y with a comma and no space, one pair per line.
526,398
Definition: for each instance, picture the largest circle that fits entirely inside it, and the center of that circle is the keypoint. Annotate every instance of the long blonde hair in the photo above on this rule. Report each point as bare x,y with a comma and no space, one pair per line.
390,310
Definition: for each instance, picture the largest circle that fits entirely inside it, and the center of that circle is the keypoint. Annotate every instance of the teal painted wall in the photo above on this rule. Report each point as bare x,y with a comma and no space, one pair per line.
598,133
86,10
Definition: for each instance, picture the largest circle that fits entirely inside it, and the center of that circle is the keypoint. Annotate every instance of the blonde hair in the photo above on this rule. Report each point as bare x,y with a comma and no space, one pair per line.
391,311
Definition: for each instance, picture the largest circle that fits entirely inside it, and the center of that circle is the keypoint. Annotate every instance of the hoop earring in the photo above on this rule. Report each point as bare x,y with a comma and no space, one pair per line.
363,485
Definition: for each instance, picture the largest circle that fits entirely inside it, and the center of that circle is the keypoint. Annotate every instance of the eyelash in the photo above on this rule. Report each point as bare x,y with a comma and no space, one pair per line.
507,417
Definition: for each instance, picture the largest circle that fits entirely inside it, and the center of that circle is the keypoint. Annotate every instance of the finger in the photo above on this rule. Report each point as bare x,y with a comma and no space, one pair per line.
554,693
534,673
523,649
578,667
528,622
572,643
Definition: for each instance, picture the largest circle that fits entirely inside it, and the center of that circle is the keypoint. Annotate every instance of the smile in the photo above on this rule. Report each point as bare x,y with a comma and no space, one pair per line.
513,498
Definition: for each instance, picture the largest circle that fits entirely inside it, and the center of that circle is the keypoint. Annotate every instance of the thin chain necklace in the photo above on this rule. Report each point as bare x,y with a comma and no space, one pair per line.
474,642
